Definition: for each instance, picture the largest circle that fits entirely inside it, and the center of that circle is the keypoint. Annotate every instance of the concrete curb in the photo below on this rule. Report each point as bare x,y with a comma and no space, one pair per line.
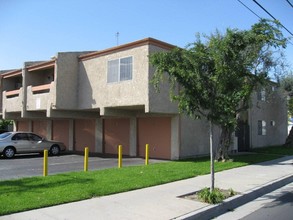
212,211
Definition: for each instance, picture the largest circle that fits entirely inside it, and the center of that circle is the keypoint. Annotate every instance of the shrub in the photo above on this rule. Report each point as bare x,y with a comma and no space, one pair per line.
214,197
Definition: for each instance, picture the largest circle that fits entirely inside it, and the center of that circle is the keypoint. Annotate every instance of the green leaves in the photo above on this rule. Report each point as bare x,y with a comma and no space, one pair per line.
216,76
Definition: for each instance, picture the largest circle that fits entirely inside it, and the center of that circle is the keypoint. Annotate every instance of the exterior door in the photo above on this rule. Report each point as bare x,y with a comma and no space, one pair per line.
242,133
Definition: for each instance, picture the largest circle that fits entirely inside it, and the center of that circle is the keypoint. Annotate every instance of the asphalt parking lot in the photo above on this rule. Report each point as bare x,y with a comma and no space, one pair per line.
32,165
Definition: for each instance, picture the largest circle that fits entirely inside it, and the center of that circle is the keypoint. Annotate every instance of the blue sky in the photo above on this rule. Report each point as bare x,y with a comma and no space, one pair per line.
37,29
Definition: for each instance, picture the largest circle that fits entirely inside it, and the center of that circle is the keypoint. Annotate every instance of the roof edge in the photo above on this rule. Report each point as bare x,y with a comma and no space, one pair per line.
11,73
145,41
42,65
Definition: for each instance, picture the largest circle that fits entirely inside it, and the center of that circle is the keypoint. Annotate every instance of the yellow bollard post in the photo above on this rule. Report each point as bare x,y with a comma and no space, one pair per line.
86,159
45,164
146,154
119,156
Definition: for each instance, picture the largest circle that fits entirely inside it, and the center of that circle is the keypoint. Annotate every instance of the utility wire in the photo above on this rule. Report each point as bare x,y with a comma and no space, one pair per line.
260,17
272,17
289,3
249,9
264,9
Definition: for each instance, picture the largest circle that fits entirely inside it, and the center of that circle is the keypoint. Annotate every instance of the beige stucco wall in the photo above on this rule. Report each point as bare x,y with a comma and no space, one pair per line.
195,137
194,134
40,101
95,92
274,108
12,104
159,102
66,84
63,90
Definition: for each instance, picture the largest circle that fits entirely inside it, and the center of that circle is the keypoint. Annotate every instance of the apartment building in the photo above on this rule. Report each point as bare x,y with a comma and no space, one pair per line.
104,98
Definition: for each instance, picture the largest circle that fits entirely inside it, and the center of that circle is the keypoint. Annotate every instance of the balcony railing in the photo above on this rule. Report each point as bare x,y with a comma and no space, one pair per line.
12,100
39,97
12,93
42,88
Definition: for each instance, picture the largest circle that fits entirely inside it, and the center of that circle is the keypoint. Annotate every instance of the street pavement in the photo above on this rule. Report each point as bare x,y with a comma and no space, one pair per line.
32,164
166,201
274,205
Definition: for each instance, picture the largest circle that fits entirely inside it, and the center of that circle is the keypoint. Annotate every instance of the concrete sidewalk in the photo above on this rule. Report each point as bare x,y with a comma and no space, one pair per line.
164,202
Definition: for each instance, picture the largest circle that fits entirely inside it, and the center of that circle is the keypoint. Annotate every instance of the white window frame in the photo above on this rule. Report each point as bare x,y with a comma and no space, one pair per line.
118,79
261,127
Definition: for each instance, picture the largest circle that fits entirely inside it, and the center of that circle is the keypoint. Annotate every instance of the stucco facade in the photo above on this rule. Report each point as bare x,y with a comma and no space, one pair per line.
72,98
272,111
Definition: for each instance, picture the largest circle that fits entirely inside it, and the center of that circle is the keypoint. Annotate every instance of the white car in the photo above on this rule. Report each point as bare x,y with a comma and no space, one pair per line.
18,142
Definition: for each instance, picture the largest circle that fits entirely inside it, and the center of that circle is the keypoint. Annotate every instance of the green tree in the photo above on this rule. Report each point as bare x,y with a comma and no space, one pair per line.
286,84
4,124
290,107
213,78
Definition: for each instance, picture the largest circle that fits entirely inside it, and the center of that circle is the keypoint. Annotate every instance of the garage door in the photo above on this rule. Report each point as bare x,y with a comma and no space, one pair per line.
60,131
40,127
22,125
84,133
156,132
116,132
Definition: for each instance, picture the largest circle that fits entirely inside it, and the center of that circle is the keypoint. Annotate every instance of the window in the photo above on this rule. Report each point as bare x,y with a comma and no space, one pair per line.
34,137
113,71
4,135
261,95
20,137
261,127
119,70
273,123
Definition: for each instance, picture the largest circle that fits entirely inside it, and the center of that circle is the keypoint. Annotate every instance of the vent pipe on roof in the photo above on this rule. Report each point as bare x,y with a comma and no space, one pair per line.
117,38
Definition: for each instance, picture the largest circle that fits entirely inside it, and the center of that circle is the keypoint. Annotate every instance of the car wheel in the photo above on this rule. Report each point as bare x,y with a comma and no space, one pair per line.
9,152
54,150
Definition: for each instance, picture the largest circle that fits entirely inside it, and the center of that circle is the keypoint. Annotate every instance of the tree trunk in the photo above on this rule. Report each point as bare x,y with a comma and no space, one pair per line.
225,142
212,159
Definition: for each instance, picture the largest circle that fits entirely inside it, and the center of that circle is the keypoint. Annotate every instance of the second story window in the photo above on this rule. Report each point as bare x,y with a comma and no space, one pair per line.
261,95
119,70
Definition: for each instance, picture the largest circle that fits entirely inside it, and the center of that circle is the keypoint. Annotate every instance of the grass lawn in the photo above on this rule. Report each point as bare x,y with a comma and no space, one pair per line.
36,192
275,150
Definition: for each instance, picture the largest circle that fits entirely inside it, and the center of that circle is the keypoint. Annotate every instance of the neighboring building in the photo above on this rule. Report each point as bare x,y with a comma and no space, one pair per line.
104,98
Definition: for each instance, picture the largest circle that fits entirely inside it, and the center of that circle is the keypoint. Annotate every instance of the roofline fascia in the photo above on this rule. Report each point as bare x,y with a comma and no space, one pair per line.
11,73
146,41
43,65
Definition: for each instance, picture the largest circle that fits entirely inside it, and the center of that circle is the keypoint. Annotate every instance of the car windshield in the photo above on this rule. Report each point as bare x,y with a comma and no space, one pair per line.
4,135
